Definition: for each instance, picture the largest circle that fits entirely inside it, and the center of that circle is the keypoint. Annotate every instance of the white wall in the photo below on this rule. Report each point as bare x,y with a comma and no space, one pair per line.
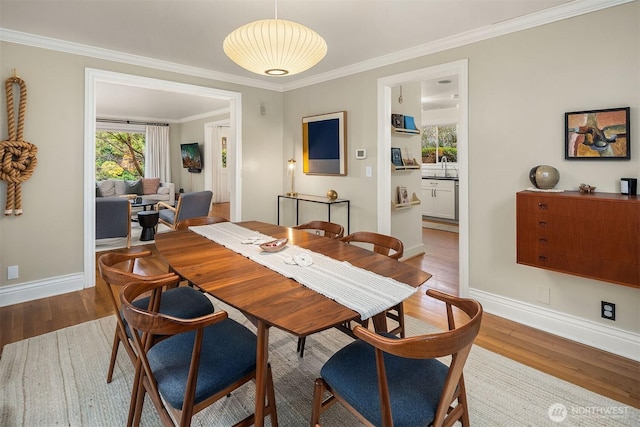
520,86
46,242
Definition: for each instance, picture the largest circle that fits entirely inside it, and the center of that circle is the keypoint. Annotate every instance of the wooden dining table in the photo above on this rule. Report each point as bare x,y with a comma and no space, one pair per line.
267,297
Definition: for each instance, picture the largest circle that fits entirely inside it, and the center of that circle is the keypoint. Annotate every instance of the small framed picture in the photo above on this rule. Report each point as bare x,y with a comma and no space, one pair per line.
403,195
597,135
396,157
397,121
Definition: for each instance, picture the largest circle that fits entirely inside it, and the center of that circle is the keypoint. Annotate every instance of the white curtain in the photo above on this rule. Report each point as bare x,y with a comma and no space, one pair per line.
157,161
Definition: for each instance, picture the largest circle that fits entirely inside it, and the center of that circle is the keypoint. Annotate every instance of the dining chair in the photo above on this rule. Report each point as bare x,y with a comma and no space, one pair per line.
328,229
201,220
382,243
198,362
389,381
385,245
393,248
189,205
117,269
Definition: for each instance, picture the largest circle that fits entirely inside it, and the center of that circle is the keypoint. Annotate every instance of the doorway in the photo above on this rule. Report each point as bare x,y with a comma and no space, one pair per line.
94,76
217,145
460,69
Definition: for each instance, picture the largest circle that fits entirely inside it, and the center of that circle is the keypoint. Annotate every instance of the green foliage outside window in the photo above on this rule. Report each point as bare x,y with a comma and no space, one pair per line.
119,155
439,141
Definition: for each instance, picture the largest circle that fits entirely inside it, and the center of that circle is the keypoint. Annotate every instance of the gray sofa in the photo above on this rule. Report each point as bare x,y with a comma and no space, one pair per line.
147,188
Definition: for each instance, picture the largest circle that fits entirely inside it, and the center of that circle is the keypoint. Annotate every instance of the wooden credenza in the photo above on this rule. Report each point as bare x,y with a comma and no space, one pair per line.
589,235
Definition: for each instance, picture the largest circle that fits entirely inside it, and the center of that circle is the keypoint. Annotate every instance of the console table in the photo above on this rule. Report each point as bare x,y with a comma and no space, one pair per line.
315,199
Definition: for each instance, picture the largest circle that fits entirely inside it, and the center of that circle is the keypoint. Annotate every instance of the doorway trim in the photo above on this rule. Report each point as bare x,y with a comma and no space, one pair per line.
461,68
94,76
209,128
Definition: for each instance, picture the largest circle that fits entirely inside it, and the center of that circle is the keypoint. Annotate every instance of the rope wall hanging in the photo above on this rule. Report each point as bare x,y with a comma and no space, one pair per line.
17,157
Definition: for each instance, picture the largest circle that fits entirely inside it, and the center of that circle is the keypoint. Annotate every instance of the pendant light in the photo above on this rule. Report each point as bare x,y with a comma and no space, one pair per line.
275,47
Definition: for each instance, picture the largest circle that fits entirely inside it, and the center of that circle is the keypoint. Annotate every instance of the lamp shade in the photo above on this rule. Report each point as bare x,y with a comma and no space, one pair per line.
275,47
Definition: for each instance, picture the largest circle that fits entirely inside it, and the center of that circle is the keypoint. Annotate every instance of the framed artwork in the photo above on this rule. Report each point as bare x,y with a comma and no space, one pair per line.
396,157
597,135
403,195
324,144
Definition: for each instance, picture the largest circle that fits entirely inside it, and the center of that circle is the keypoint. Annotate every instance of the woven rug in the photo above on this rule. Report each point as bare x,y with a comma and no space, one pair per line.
59,379
121,242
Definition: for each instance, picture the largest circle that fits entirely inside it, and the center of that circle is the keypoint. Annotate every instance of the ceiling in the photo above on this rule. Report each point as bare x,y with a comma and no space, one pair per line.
359,33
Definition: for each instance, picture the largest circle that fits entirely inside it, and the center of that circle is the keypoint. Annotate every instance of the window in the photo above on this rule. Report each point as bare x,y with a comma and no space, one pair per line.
438,142
119,155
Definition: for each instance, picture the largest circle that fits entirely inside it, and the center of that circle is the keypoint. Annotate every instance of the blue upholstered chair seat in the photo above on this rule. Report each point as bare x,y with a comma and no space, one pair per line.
183,302
228,354
415,385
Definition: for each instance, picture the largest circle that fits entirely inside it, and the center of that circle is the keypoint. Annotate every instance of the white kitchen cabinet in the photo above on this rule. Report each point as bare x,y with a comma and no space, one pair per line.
439,198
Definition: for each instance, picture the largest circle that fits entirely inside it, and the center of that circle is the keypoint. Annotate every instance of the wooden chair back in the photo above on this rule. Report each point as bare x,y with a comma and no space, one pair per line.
382,243
201,220
330,229
117,269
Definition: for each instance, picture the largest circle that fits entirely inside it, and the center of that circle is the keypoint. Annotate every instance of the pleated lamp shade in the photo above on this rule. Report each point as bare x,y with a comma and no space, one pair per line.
275,47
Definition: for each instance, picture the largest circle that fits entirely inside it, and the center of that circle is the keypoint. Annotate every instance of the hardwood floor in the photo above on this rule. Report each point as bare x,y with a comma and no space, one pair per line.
601,372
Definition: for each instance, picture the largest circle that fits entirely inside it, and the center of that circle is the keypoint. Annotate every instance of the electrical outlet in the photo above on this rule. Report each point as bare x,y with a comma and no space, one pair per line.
543,294
12,272
608,310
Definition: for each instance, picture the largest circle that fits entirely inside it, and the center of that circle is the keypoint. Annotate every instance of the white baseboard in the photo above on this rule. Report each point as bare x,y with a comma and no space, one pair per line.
413,251
612,340
29,291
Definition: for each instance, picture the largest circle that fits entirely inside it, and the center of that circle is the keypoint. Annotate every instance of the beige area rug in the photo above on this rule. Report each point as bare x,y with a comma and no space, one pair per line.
118,243
59,379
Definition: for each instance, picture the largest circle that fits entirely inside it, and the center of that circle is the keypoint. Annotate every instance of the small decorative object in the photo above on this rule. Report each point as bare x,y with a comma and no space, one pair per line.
397,121
586,188
597,135
274,245
544,177
403,196
628,186
291,171
396,156
332,195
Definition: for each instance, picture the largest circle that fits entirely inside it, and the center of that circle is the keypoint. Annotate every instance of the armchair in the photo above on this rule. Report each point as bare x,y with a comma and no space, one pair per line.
189,205
113,218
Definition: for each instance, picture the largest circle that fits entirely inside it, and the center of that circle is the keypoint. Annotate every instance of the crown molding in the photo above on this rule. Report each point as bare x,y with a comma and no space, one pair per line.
33,40
558,13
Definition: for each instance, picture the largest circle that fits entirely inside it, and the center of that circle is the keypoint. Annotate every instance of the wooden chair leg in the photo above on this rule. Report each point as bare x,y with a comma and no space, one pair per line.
316,408
271,399
114,354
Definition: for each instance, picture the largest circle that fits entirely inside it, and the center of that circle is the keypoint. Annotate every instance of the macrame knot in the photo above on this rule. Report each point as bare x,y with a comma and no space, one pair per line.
17,157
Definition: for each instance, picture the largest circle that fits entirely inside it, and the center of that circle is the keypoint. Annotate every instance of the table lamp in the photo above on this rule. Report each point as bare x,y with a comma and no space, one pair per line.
291,171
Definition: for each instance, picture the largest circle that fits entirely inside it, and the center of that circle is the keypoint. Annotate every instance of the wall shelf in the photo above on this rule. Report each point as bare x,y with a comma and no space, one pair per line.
415,166
401,131
414,201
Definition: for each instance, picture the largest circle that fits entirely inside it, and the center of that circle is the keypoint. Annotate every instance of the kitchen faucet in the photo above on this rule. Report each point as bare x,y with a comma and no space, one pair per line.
444,161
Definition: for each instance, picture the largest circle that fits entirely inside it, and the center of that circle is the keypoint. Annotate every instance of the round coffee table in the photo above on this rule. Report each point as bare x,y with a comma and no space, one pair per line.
148,221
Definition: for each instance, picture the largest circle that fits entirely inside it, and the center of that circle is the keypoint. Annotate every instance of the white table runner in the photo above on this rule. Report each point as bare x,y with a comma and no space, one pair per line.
361,290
